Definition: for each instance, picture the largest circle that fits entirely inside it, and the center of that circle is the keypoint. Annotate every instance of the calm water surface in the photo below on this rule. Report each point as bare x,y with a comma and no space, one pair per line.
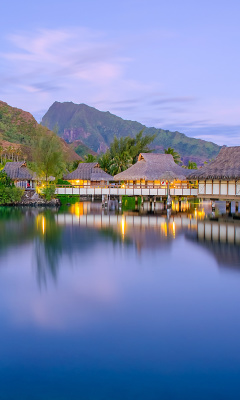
95,305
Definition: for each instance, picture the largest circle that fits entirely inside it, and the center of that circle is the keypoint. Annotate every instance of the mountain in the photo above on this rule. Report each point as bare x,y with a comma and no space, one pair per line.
17,128
81,149
96,130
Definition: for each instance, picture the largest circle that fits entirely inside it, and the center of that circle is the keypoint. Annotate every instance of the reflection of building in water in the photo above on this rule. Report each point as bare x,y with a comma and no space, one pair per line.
223,232
220,238
146,231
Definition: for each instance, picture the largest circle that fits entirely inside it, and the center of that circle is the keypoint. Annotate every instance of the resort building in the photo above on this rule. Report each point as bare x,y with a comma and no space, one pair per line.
20,174
88,174
221,178
154,171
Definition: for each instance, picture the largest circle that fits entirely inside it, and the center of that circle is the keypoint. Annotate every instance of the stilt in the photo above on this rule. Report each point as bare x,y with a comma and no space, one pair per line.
164,203
155,202
228,207
213,205
236,207
120,201
136,201
92,197
180,205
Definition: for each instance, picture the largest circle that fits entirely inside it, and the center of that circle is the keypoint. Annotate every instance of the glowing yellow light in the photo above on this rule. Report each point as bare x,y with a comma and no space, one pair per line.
77,181
43,225
165,229
123,226
174,229
123,186
77,209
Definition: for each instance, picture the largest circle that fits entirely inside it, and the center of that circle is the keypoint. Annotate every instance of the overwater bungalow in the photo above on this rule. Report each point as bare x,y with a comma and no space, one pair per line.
20,174
153,170
88,174
221,178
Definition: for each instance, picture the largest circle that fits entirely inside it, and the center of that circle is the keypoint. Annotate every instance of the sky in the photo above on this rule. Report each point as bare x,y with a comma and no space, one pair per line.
173,65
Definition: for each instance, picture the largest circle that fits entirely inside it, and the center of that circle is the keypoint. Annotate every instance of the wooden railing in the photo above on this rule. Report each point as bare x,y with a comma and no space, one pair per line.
118,190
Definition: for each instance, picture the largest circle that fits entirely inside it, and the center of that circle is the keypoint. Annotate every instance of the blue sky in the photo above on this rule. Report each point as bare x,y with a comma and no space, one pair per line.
173,65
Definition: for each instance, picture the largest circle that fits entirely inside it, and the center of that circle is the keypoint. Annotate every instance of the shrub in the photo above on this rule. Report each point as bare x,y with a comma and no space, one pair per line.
48,192
10,194
5,181
63,182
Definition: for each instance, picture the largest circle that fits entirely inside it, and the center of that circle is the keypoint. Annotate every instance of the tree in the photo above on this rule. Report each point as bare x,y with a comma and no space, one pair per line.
5,181
124,151
140,144
47,155
120,162
9,193
105,161
192,165
176,156
89,158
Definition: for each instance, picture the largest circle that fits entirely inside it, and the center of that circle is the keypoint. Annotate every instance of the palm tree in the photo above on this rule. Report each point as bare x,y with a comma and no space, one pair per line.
18,152
120,162
105,161
89,158
192,165
176,156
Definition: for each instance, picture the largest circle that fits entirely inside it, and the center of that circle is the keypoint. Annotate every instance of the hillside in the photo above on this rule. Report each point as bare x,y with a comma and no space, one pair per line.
81,149
17,129
96,130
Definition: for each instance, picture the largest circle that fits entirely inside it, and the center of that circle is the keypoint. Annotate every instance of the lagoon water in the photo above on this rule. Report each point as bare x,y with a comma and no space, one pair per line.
97,305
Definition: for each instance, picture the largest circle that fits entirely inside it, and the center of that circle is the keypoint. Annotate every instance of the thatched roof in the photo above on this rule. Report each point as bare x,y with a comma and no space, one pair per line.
225,166
153,167
88,172
19,171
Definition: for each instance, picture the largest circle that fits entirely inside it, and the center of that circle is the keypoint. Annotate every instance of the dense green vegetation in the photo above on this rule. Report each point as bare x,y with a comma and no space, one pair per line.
8,192
19,132
123,152
48,192
97,129
15,126
192,165
47,155
176,156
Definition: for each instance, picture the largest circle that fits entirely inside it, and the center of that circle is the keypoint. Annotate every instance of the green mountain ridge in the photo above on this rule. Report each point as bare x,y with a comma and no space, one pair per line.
17,130
96,129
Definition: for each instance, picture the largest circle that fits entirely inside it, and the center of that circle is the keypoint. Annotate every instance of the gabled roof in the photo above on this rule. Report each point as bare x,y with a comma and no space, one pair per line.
88,172
153,167
19,171
225,166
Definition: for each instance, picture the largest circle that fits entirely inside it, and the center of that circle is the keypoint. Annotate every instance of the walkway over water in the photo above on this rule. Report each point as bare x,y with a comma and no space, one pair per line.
127,191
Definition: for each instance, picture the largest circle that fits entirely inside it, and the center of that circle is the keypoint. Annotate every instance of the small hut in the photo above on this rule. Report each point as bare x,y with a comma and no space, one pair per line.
220,178
153,170
20,174
88,174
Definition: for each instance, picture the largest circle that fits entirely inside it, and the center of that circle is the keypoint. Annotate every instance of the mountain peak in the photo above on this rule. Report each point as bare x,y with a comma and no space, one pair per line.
96,129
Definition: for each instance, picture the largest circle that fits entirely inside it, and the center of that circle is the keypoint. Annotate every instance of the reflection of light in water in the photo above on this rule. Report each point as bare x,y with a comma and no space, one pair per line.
200,214
43,225
165,229
77,209
123,226
174,229
175,206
